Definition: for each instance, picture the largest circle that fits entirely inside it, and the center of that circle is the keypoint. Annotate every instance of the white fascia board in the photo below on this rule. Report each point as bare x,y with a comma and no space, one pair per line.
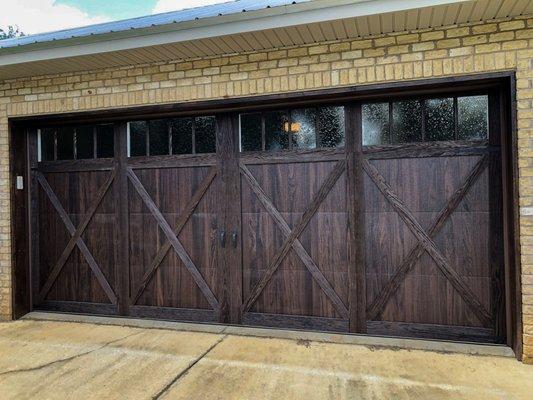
273,18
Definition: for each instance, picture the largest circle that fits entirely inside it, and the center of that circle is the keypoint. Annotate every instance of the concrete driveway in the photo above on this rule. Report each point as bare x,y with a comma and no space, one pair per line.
62,360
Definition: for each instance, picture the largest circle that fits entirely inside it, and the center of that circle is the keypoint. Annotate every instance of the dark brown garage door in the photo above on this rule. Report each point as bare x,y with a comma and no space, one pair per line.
380,217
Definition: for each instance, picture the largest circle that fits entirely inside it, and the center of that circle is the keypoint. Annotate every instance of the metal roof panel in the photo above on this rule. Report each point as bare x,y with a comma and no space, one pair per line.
173,17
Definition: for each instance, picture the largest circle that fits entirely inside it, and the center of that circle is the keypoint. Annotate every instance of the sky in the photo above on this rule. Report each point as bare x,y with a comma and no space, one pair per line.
36,16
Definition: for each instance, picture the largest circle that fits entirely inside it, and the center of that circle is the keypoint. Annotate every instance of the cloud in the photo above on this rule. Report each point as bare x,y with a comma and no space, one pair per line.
36,16
173,5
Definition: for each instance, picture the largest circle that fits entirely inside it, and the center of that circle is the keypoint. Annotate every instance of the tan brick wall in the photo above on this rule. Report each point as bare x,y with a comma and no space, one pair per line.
475,48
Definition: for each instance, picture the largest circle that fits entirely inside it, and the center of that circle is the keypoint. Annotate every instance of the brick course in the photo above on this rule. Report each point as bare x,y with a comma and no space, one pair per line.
455,50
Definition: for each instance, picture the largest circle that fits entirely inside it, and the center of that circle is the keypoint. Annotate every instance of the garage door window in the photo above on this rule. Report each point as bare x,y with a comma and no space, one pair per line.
305,128
76,143
424,120
172,136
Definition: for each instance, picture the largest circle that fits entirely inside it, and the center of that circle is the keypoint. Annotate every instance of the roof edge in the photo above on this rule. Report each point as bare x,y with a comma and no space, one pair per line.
268,18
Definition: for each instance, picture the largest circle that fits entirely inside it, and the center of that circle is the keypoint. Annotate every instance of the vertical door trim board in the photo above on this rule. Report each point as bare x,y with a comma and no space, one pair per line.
122,252
356,218
497,256
21,276
511,221
33,209
229,257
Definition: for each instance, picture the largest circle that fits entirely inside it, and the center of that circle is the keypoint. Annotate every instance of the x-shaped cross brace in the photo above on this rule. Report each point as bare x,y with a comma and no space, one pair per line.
76,239
291,238
172,237
425,243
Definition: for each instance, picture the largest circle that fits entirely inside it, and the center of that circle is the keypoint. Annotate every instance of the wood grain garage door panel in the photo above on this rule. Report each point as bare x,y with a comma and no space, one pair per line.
66,272
310,279
172,285
447,280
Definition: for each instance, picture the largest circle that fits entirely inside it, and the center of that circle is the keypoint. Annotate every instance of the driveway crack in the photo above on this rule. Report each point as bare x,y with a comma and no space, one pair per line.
66,359
186,370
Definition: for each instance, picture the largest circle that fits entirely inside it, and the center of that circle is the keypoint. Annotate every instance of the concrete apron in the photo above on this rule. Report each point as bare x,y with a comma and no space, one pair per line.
59,360
363,340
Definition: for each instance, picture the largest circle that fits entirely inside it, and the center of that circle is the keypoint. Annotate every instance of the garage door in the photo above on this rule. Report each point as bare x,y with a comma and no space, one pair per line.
380,217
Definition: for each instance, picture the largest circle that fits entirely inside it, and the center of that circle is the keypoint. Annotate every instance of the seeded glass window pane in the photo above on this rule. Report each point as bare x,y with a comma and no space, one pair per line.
47,144
302,128
159,145
65,143
251,132
84,142
472,117
205,135
105,141
375,124
407,121
276,136
138,131
331,126
440,122
181,136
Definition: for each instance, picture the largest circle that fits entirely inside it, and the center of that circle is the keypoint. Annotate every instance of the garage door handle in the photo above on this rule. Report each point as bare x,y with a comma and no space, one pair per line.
223,239
234,239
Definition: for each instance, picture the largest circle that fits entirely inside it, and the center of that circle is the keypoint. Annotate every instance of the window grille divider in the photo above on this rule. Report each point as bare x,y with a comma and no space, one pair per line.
55,144
263,132
423,124
391,116
39,145
193,127
455,118
147,134
288,117
75,144
318,138
169,133
95,143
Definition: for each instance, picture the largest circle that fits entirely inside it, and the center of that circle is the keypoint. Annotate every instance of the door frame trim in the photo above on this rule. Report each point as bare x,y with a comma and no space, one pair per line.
454,84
